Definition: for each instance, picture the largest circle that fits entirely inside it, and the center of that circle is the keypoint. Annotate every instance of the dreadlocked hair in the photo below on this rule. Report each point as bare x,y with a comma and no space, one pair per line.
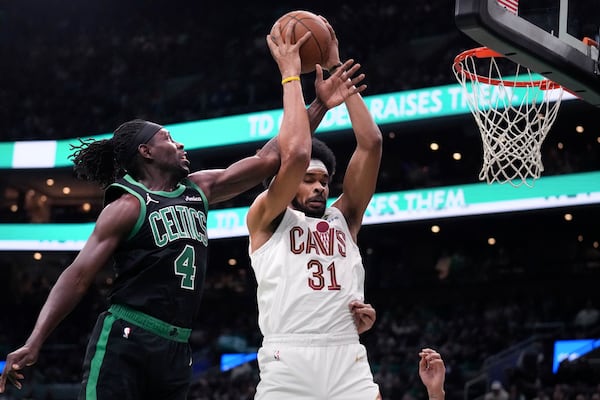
94,161
104,161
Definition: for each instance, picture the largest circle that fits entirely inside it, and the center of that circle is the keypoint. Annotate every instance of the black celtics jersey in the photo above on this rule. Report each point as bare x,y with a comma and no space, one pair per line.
160,268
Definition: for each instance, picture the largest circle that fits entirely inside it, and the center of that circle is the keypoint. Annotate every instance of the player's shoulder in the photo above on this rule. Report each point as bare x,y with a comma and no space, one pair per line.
120,215
205,178
124,201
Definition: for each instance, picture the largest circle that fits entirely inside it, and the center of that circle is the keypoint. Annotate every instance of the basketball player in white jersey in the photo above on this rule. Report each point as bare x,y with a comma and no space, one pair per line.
308,265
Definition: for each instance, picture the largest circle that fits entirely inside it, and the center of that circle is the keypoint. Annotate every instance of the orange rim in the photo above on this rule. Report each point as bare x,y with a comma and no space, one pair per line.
485,52
590,42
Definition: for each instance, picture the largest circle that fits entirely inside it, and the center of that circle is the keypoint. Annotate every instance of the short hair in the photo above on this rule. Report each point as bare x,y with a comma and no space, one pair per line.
322,152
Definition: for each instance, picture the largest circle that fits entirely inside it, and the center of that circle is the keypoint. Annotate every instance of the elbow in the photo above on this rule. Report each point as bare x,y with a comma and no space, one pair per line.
378,138
269,156
302,156
271,163
268,164
299,157
374,141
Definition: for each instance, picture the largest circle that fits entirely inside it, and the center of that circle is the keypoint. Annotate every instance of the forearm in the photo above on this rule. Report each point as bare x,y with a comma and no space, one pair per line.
316,113
295,122
63,297
367,132
270,155
270,149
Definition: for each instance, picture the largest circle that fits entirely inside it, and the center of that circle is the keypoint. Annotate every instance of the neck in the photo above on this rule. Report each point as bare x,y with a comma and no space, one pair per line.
159,180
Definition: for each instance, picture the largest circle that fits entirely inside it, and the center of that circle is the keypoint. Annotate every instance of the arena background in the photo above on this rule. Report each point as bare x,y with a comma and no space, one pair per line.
493,292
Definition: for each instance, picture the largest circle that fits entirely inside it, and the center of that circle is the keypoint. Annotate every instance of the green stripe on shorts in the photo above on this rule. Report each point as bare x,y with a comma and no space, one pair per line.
96,364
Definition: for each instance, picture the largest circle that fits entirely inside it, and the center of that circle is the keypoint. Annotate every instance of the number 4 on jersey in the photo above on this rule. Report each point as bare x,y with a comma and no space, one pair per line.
185,266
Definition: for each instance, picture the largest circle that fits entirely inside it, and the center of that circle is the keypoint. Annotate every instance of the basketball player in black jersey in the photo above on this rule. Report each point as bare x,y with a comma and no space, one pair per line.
153,226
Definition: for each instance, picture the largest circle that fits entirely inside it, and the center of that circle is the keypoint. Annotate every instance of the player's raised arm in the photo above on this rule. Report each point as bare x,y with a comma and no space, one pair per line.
223,184
361,174
294,137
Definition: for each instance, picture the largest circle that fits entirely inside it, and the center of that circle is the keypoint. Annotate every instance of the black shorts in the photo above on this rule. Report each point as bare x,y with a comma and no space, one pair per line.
126,362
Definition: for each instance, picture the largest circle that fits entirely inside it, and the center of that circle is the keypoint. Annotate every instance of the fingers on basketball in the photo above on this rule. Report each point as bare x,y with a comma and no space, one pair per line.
316,49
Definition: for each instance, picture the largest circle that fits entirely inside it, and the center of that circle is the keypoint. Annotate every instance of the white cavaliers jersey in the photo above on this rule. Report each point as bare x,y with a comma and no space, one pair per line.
308,272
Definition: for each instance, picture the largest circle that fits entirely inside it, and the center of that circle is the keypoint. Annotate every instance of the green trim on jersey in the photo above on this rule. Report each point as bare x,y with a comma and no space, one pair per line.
175,193
141,216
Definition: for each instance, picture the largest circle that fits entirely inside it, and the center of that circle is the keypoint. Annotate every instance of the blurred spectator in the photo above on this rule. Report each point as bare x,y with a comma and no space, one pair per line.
542,395
497,392
560,392
588,316
514,393
37,207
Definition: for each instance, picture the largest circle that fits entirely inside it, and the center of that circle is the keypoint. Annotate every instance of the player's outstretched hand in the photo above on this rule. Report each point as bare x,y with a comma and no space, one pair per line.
342,84
333,53
15,362
364,315
433,373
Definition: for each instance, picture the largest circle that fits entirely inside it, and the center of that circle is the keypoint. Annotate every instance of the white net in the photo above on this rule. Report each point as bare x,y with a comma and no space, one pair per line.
513,114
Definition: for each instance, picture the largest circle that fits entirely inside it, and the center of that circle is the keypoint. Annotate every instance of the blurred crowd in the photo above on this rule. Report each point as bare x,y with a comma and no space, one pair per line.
78,69
84,67
516,313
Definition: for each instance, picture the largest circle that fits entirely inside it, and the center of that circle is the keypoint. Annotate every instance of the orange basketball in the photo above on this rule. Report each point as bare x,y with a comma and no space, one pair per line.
316,49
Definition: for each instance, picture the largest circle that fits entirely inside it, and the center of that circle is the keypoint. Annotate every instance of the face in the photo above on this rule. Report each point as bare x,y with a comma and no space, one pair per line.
169,154
312,194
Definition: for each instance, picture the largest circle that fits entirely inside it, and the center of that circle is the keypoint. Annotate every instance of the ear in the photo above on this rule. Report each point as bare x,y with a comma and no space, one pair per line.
145,150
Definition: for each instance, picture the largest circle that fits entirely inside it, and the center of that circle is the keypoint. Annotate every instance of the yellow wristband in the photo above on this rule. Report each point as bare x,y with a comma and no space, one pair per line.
290,79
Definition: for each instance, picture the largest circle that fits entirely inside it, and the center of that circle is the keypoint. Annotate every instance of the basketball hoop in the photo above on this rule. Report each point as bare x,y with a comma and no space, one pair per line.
514,114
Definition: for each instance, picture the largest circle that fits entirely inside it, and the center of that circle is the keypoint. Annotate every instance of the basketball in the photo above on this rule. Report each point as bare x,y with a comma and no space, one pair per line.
316,49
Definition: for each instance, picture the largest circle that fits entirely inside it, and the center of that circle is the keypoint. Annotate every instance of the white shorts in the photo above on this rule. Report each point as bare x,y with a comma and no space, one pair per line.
315,368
